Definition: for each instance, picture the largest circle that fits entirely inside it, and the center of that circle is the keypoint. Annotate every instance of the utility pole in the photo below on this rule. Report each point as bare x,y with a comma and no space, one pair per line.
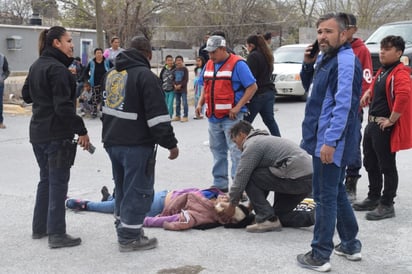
99,24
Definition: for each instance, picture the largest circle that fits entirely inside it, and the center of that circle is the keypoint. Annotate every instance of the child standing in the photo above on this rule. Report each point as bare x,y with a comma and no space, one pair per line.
200,62
181,77
166,75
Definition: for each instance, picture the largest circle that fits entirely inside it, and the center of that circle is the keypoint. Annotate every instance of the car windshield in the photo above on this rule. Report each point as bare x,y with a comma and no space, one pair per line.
289,55
404,30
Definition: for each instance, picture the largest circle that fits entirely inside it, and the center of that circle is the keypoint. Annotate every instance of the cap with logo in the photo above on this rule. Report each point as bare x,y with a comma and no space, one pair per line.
215,42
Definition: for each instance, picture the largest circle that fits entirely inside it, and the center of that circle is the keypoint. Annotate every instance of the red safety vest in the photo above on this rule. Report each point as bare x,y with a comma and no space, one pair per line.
219,93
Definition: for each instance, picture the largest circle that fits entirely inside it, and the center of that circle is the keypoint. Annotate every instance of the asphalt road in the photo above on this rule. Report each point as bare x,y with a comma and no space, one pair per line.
386,244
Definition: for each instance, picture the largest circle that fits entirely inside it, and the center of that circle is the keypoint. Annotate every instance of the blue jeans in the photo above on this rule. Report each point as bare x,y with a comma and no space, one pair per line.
170,97
1,102
179,98
133,174
332,207
220,143
108,206
54,160
263,103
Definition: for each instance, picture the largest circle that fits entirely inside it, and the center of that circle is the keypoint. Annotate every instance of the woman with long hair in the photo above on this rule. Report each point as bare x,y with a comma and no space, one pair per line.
51,87
260,61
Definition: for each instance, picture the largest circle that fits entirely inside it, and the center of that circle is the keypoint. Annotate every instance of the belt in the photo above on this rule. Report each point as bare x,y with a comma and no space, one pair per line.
374,119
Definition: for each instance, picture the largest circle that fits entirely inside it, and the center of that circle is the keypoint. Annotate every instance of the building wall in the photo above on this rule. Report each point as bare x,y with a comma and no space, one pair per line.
21,59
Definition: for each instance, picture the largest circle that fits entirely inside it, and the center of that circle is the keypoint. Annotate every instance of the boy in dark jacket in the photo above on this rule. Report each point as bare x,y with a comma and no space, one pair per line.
166,75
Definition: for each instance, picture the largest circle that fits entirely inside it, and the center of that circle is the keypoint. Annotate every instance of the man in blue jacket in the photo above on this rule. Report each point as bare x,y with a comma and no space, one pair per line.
329,132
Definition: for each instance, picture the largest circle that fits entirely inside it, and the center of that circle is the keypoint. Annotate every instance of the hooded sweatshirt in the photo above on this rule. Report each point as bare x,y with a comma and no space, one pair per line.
134,109
364,56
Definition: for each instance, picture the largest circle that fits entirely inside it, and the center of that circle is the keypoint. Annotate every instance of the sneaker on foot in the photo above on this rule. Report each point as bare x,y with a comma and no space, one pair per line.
184,120
265,226
354,256
143,243
2,125
366,205
307,261
63,240
381,212
76,204
176,118
105,193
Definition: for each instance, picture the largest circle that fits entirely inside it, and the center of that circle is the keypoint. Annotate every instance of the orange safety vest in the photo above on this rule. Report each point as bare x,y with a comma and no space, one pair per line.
219,93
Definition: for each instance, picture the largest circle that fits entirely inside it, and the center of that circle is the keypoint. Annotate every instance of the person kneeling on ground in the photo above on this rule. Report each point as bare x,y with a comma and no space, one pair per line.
270,163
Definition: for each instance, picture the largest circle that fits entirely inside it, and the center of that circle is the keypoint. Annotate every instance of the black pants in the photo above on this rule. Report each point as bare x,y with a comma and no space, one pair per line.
96,99
54,159
288,194
380,163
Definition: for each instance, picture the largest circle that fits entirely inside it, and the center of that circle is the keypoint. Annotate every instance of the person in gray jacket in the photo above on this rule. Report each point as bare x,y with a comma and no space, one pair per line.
270,163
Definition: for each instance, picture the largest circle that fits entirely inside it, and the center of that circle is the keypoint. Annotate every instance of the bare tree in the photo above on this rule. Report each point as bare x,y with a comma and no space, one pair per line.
15,11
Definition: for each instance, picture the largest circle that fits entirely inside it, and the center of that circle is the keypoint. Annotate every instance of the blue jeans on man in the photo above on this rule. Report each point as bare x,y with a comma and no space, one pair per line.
263,104
133,173
332,208
220,143
50,210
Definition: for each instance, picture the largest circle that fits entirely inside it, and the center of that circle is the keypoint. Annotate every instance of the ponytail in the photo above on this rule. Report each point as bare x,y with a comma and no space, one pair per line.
47,37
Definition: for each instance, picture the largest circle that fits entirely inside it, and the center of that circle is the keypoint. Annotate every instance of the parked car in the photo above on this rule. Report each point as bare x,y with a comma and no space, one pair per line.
286,69
401,28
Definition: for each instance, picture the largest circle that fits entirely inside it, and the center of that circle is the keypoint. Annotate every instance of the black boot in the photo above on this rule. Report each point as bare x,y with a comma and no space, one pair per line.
105,193
350,185
63,240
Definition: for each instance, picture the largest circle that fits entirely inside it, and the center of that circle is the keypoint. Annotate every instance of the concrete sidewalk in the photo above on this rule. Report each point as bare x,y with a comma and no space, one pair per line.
386,243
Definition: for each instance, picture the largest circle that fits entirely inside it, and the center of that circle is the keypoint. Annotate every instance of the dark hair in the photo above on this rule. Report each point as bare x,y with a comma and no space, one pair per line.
142,44
168,56
77,58
341,18
219,33
114,38
240,127
96,49
179,57
267,36
352,20
260,45
47,37
202,60
393,41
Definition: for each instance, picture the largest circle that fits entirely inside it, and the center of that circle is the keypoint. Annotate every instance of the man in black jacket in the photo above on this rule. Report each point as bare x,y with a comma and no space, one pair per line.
135,119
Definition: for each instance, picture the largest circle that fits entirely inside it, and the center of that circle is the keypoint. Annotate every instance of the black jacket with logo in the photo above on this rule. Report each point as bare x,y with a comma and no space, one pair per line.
134,108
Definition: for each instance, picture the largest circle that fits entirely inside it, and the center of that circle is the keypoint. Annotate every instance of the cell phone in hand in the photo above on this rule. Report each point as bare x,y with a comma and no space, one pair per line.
315,49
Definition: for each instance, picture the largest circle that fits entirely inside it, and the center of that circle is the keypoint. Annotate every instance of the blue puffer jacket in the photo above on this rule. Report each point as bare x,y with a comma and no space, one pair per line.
333,104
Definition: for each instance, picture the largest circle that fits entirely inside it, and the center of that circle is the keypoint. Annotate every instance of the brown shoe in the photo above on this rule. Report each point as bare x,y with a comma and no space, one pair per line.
176,118
265,226
184,120
2,125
